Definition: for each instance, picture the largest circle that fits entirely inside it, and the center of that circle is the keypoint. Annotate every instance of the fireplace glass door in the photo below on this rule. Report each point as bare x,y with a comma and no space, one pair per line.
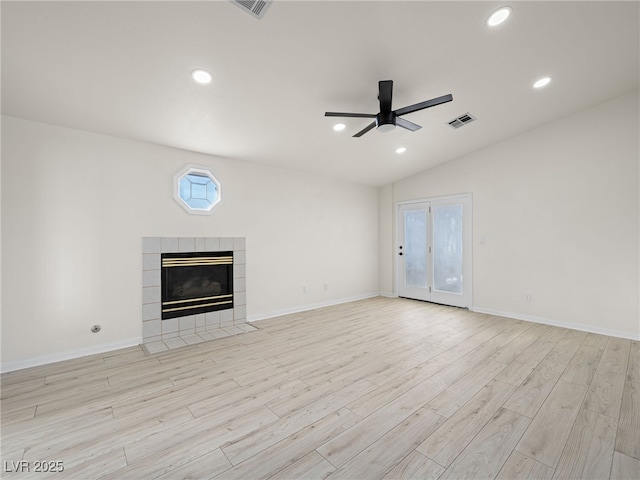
196,283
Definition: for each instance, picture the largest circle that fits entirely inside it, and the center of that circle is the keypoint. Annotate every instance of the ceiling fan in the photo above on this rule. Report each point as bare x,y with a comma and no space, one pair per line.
387,119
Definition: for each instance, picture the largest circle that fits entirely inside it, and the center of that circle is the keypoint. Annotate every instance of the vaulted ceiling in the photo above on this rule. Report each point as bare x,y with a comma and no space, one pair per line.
124,69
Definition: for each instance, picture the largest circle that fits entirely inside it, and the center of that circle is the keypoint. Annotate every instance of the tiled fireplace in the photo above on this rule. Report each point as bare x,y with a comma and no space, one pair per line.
181,330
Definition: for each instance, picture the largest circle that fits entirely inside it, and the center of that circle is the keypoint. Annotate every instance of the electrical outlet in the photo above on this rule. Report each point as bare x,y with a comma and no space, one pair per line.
305,289
326,287
527,297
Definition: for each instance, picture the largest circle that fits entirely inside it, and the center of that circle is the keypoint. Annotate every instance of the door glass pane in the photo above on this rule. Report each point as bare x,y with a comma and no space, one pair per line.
447,248
415,248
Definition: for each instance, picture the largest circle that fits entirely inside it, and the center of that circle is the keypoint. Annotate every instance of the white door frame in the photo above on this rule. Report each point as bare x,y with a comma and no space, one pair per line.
467,242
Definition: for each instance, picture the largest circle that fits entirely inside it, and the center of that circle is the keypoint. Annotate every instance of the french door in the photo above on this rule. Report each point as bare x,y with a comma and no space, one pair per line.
434,250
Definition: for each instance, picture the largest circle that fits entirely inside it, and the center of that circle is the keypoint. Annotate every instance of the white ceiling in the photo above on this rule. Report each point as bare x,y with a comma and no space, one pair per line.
123,68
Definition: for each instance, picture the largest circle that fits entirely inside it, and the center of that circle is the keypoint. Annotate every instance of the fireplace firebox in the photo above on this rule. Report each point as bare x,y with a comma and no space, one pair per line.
196,282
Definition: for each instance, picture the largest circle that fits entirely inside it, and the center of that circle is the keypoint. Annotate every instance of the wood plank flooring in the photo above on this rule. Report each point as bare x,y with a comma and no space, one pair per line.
374,389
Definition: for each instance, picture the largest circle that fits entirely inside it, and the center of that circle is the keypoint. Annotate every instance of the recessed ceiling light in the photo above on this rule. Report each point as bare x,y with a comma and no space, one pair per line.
201,76
338,127
499,16
401,149
542,82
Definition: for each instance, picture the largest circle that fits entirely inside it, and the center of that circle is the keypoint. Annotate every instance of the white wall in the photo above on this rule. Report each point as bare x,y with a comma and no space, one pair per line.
387,241
559,209
76,204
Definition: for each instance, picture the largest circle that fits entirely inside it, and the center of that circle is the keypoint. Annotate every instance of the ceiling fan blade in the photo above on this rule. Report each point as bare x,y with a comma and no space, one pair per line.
401,122
355,115
365,129
385,94
421,106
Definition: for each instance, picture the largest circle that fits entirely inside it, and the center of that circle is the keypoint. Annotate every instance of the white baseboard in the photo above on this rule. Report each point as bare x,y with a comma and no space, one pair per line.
71,354
306,308
107,347
554,323
388,294
83,352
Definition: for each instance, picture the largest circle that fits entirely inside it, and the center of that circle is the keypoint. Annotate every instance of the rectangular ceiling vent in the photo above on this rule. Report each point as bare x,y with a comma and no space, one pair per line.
462,120
255,8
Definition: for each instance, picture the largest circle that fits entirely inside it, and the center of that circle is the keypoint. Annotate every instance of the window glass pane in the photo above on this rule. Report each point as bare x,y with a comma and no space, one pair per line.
212,192
447,248
198,203
199,179
199,191
185,188
415,248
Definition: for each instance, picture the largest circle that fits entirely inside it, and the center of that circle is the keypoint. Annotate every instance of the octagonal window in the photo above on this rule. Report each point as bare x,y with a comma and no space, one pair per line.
197,190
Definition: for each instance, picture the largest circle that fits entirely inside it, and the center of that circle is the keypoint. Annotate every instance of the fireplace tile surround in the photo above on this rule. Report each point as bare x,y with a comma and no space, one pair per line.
160,335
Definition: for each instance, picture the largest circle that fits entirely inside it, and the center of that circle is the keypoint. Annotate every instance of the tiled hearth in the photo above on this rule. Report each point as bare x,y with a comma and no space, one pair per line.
160,335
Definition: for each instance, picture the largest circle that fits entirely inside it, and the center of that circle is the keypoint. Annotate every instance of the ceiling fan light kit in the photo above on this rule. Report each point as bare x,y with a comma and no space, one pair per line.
387,119
385,122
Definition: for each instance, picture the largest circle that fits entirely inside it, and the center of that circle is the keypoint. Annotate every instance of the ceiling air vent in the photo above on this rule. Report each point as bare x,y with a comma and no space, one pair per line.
255,8
462,120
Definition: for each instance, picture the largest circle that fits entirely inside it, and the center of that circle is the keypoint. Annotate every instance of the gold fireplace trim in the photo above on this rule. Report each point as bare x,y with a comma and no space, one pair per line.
200,305
199,299
223,301
196,261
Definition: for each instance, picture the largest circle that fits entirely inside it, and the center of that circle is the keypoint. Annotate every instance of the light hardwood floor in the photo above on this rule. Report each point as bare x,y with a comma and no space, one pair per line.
379,388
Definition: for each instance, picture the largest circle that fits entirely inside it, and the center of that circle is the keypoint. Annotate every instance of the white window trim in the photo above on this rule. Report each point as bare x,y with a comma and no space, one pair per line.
197,169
